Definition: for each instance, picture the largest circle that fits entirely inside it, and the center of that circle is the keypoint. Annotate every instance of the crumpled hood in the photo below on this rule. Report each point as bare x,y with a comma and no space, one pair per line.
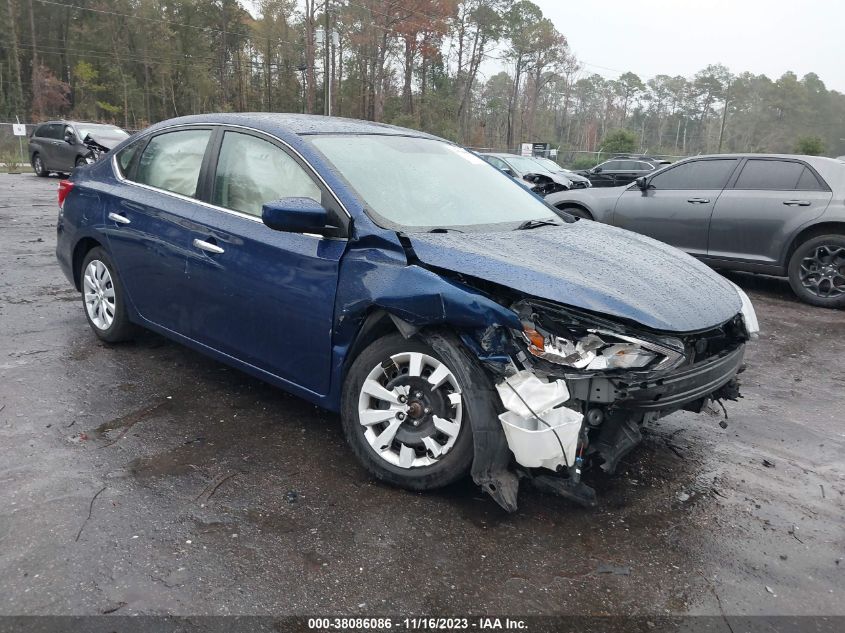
594,267
105,142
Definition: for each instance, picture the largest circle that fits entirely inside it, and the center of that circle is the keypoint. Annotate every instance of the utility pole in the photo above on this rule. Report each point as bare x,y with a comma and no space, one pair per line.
724,117
327,77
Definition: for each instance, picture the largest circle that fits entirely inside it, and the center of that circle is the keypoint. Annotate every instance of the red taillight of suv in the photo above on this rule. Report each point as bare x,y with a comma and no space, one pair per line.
64,188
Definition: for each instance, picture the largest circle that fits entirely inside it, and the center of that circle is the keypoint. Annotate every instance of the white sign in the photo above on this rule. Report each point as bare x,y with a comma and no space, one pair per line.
18,129
552,153
526,149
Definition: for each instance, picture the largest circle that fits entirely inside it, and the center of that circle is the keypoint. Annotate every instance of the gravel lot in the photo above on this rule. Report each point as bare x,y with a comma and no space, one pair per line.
147,479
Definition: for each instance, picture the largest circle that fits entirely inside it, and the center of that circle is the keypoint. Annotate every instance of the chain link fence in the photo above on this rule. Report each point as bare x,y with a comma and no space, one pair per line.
14,150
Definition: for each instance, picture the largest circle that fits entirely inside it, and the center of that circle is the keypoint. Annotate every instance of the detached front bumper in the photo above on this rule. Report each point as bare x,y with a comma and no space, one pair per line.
664,392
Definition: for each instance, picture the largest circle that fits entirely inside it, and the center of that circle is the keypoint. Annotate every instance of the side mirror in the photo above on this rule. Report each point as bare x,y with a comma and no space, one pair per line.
69,137
597,170
642,183
531,177
295,215
510,172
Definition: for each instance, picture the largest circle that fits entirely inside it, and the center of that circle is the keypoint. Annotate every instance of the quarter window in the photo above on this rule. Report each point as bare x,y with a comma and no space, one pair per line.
125,156
809,182
698,174
172,161
252,171
771,175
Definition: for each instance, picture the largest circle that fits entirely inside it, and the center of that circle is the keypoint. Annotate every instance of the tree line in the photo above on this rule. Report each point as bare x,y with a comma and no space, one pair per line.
486,73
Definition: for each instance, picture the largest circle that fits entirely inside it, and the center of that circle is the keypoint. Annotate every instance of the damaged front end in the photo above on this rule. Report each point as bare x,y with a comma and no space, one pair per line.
576,389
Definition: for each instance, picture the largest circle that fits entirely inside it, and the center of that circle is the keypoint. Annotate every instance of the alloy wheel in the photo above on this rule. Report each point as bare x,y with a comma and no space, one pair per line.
410,407
822,272
99,294
39,166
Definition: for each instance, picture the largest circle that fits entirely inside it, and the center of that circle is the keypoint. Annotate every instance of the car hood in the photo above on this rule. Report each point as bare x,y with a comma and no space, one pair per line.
594,267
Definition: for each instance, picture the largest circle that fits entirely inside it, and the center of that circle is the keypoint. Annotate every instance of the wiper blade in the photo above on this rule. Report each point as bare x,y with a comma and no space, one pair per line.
533,224
443,229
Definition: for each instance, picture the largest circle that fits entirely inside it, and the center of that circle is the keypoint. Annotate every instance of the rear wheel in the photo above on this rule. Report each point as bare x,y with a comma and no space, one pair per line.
80,161
103,298
817,271
38,166
403,414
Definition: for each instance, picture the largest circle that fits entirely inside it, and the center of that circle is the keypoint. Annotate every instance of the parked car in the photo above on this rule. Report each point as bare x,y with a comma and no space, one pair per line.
456,322
527,170
578,181
60,146
771,214
617,172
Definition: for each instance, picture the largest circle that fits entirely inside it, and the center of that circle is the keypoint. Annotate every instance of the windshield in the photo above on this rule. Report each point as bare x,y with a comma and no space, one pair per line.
525,164
420,184
548,163
101,131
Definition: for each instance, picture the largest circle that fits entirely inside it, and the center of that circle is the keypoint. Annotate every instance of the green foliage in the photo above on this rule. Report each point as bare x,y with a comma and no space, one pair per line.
810,146
619,142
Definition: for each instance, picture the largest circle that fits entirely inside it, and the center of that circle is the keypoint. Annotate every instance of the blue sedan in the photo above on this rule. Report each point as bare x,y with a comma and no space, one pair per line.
457,322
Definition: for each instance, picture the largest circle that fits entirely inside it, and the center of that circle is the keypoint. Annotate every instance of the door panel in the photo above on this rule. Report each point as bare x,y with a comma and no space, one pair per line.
267,299
677,206
770,200
150,232
680,218
753,226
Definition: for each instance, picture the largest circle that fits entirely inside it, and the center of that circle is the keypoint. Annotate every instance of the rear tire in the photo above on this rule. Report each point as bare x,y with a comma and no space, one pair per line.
428,442
817,271
80,161
103,298
38,166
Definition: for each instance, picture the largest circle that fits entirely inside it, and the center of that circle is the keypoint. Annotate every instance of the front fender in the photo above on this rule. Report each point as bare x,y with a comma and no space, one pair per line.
379,279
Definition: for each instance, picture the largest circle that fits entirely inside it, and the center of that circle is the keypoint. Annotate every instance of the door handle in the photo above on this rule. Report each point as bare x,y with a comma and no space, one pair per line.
120,219
698,200
797,203
208,246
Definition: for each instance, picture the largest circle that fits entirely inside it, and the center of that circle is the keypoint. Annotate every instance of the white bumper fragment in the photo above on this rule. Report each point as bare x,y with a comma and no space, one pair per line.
539,434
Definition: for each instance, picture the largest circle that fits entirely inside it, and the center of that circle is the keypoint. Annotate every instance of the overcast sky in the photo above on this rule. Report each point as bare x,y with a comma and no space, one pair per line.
680,37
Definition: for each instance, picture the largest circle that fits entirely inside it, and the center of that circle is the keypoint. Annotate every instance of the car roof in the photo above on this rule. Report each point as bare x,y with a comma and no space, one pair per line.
298,124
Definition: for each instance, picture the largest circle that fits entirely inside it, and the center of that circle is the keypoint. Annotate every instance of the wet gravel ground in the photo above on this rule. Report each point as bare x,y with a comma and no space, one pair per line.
145,478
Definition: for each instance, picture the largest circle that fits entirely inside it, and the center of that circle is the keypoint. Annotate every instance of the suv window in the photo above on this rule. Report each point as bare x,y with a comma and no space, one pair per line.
499,164
644,166
252,171
172,161
771,175
612,165
51,130
697,174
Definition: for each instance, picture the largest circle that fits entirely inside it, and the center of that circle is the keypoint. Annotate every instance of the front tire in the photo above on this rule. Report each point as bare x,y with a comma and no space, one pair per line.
817,271
103,298
38,166
404,417
578,212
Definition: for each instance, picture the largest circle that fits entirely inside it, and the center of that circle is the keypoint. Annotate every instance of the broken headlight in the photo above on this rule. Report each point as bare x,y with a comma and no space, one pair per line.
749,316
601,350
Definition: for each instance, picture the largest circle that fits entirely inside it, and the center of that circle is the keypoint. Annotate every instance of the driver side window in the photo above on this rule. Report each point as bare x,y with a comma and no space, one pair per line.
252,171
697,174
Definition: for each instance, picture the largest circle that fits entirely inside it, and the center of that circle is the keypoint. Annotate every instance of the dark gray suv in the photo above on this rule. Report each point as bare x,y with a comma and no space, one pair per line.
773,214
59,146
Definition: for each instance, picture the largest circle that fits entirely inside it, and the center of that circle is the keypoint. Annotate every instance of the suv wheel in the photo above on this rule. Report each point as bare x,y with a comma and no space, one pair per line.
817,271
38,166
404,416
103,299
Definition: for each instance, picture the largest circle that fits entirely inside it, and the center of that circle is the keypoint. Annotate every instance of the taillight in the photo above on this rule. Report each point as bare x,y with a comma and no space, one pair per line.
64,188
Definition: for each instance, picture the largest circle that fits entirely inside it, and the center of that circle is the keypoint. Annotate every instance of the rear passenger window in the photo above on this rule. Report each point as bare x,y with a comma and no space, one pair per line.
809,182
172,161
697,174
771,175
252,171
